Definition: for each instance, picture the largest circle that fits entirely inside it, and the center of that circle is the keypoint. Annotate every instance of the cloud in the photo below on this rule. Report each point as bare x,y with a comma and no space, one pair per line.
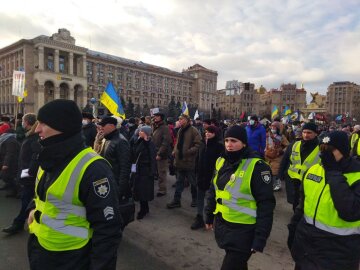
265,42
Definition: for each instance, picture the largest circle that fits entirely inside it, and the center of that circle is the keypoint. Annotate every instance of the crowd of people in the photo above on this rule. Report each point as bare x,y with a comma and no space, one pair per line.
74,172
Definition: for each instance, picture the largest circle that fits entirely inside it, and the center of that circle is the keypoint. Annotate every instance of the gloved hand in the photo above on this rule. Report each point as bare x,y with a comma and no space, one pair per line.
329,162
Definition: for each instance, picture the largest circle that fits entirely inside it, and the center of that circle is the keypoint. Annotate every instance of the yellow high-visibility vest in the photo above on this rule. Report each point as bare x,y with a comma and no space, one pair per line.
237,202
319,209
63,224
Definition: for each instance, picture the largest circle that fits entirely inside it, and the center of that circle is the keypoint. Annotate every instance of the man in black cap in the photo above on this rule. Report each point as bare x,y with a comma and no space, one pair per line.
324,232
162,140
116,150
75,219
298,158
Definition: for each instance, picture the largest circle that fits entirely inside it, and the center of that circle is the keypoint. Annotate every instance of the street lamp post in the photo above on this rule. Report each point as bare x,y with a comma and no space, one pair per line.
93,102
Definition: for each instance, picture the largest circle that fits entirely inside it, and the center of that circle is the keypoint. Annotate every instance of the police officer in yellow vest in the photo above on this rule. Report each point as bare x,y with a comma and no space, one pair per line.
241,201
75,220
324,232
299,157
354,136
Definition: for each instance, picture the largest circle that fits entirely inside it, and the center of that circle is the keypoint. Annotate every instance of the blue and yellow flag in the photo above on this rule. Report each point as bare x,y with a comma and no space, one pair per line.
287,110
111,101
185,109
274,112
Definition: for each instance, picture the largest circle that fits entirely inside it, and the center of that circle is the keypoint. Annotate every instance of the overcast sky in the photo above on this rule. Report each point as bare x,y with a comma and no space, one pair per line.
266,42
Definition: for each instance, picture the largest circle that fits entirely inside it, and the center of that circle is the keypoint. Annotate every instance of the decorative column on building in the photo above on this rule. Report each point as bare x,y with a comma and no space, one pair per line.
71,93
41,57
71,63
39,96
56,92
56,61
84,66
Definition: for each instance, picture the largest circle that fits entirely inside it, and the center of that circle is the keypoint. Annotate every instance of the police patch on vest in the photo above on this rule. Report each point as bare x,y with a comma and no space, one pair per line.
102,187
314,177
266,177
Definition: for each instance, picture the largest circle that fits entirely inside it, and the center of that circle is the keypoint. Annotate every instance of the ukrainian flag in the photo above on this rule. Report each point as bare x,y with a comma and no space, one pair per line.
185,109
287,110
274,112
111,101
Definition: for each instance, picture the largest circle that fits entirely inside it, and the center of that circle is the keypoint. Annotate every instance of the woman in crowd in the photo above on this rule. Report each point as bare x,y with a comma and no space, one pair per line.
143,170
208,154
241,201
275,146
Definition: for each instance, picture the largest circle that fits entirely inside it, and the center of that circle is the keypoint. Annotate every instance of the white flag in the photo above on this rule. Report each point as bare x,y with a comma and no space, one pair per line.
18,84
311,116
196,115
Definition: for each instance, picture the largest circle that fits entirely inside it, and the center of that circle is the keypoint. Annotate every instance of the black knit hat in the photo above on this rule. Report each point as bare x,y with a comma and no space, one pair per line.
339,140
62,115
310,126
238,133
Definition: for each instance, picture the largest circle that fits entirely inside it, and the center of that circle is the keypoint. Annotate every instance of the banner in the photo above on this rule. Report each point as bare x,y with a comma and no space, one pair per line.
18,83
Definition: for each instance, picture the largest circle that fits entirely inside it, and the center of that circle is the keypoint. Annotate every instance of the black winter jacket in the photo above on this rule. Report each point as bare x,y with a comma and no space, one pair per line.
144,154
237,236
9,155
28,158
327,250
101,251
89,132
117,152
208,154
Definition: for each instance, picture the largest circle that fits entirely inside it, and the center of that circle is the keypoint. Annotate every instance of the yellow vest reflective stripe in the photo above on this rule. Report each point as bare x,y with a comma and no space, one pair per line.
237,202
354,138
63,224
319,209
358,148
296,169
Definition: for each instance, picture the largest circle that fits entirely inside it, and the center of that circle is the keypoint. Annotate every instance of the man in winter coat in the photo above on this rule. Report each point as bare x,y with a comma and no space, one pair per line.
162,140
116,151
185,151
75,219
28,167
9,154
324,232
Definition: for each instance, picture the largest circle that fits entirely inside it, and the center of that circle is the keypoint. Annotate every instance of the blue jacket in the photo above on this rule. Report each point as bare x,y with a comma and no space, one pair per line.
256,136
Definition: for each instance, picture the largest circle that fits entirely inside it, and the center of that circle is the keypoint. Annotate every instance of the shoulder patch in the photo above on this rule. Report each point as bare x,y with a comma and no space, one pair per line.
266,177
314,177
102,187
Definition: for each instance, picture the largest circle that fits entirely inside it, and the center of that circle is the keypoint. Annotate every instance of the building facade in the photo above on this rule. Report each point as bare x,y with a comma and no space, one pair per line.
287,95
343,98
56,67
240,98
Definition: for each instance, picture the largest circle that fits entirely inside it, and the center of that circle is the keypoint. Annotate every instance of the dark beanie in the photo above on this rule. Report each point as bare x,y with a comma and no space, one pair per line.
62,115
237,132
310,126
339,140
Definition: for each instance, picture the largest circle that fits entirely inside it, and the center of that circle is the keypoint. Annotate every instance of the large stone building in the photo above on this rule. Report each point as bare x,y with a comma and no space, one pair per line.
343,98
288,95
237,98
57,68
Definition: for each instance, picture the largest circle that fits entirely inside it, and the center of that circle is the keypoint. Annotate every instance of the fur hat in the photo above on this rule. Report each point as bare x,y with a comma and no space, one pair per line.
62,115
